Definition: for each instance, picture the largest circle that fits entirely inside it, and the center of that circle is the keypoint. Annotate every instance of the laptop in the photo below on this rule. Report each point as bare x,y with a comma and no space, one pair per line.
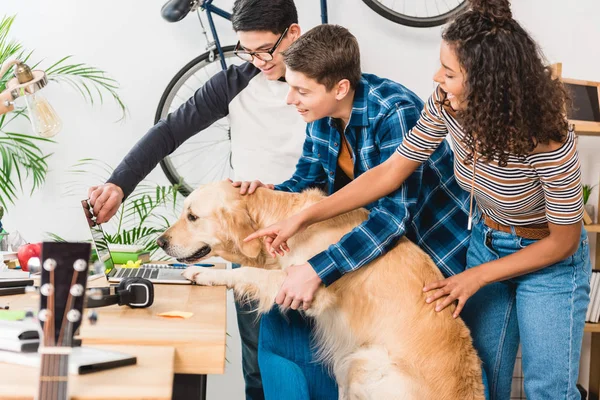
155,273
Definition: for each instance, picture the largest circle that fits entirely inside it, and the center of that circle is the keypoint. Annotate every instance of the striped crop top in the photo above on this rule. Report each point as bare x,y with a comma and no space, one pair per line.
539,188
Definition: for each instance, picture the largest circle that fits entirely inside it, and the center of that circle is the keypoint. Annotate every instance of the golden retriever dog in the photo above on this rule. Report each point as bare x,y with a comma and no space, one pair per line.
372,326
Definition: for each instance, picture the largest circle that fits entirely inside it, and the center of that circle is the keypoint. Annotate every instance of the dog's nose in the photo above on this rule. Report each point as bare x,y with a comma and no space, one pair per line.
162,241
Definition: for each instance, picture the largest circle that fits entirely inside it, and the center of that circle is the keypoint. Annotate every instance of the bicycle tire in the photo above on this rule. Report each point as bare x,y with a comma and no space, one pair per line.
413,21
175,171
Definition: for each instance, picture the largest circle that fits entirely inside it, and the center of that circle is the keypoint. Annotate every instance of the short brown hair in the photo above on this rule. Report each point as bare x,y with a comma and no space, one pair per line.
327,54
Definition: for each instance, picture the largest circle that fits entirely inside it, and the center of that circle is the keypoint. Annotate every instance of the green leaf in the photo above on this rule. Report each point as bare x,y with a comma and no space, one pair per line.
81,76
587,191
21,154
54,237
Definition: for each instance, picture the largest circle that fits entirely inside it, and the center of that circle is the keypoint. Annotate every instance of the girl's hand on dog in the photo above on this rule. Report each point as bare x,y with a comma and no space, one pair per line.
276,235
456,288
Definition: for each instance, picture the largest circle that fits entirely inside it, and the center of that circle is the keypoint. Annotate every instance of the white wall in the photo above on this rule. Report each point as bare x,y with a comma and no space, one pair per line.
141,51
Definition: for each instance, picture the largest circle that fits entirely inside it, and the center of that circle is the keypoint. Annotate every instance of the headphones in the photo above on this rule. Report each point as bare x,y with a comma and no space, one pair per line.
133,292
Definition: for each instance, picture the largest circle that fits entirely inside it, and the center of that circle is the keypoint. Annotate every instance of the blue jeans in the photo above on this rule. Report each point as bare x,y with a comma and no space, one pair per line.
286,356
249,324
544,309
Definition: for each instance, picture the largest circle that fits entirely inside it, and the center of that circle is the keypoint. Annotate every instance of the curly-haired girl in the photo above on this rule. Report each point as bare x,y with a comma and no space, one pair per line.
528,266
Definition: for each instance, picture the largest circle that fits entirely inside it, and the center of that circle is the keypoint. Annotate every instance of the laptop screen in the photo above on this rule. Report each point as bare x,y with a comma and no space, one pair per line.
98,238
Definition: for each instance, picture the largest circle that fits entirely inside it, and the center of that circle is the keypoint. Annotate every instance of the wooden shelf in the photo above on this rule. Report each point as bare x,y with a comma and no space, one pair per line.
586,128
589,133
592,228
593,328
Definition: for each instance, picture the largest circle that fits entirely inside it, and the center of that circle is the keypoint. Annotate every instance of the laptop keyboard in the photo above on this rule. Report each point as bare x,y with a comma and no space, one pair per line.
147,273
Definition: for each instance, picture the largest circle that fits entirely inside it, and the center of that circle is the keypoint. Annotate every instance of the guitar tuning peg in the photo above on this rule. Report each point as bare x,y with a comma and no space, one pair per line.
95,294
73,315
47,289
79,265
50,264
99,267
34,265
44,315
92,317
76,290
31,289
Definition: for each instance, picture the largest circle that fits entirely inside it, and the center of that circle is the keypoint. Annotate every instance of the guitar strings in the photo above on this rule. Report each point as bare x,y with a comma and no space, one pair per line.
67,307
65,341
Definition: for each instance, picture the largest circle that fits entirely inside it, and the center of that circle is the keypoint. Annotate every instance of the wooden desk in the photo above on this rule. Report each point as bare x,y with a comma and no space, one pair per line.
199,341
151,378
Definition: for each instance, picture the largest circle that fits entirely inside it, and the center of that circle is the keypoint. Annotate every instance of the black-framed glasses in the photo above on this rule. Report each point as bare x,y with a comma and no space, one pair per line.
261,55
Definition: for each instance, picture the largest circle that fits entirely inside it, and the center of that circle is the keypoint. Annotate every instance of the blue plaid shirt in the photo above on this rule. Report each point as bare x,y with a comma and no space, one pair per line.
429,208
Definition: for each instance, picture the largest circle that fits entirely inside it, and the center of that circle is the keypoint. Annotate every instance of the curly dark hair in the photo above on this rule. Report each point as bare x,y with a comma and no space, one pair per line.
513,103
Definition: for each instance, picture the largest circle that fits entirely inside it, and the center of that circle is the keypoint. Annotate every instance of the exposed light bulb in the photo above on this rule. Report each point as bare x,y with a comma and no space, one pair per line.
44,119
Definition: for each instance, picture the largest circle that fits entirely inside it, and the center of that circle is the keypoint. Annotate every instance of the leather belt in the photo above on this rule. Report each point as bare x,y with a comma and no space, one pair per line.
533,232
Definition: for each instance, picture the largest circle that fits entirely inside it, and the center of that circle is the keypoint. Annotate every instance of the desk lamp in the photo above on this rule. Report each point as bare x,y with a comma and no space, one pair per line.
27,83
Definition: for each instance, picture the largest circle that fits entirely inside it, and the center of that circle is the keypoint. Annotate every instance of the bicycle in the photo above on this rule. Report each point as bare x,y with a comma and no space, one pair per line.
211,151
417,13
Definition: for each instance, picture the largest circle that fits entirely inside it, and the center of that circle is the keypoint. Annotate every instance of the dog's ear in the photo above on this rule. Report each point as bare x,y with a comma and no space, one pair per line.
239,226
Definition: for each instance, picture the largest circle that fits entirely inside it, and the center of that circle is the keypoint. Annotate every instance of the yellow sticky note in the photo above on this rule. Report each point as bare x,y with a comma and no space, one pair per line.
176,314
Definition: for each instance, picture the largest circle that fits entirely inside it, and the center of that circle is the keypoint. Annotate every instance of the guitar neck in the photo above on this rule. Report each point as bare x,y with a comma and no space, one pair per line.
54,374
63,282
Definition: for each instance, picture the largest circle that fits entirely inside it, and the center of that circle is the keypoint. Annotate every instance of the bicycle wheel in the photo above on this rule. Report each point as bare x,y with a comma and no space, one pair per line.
205,157
418,13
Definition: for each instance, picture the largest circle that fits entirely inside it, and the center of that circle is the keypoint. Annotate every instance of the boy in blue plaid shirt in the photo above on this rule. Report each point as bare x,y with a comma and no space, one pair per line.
355,122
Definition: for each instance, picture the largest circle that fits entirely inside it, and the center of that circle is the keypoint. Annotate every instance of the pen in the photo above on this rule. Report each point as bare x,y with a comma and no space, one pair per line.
191,265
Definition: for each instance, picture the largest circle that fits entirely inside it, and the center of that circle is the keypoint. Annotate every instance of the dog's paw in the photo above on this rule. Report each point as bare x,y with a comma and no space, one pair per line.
200,276
190,273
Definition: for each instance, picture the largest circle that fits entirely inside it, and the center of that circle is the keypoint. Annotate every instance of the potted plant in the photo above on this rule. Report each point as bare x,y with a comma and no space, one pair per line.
20,154
144,215
589,208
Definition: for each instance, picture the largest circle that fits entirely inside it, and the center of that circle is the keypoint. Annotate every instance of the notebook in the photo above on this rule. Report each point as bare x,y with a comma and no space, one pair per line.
155,273
8,255
82,360
20,336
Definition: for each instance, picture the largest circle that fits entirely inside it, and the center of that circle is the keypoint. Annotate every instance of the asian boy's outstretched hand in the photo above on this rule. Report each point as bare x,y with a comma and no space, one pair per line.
106,200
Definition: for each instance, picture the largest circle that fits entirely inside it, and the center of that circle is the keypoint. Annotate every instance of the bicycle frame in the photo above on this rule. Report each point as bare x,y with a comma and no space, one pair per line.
207,6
